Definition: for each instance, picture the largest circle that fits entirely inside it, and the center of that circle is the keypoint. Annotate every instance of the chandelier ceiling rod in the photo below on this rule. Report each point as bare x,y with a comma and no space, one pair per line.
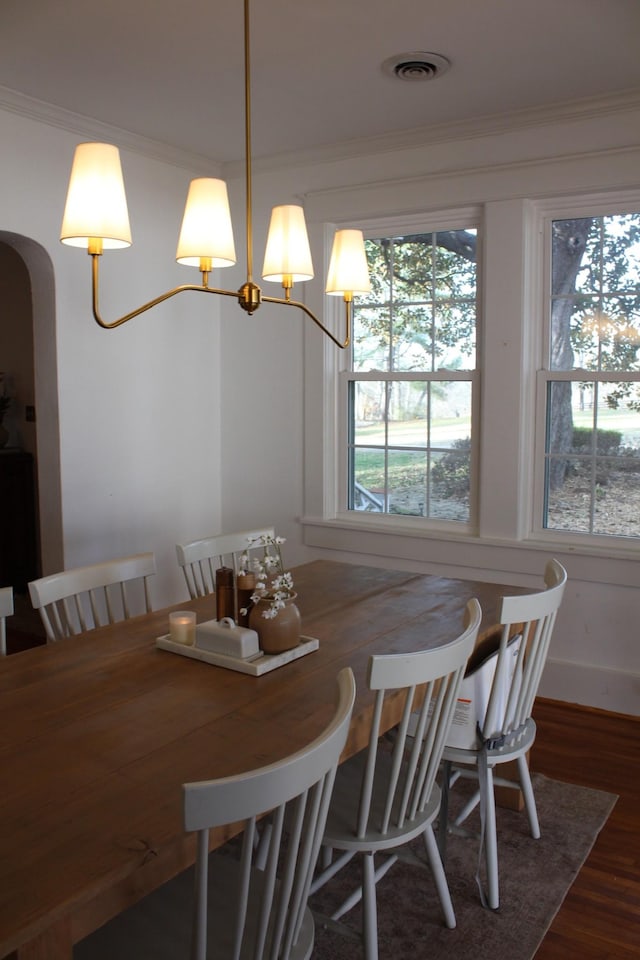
96,218
248,176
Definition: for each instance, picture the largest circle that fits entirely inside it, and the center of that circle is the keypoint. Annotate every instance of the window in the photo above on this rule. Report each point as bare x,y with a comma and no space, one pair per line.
591,384
411,388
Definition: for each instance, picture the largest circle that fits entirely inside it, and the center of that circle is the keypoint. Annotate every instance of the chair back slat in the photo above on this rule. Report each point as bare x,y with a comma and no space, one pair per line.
97,598
313,812
72,616
204,573
124,599
429,681
366,793
531,618
200,559
83,598
51,621
201,896
440,704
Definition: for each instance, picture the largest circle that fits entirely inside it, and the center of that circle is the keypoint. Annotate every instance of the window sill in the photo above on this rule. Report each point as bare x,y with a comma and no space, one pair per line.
461,554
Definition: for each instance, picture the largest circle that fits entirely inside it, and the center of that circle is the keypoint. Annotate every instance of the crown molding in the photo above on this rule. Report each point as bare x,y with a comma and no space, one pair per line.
330,203
88,128
489,125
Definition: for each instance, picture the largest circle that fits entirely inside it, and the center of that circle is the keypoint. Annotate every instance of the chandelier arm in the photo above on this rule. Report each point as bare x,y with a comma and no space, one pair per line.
240,295
145,306
301,306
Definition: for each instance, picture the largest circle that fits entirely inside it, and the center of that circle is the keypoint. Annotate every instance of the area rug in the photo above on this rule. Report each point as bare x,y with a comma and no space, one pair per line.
535,876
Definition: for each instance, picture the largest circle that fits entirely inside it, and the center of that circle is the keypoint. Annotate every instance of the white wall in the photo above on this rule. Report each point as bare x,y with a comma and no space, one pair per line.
262,380
289,388
137,410
196,418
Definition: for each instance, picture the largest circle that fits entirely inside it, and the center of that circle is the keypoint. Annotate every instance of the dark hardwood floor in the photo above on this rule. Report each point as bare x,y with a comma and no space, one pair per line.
600,917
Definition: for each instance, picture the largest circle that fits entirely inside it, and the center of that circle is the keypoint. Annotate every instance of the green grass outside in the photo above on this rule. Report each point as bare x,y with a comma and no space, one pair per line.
413,433
406,468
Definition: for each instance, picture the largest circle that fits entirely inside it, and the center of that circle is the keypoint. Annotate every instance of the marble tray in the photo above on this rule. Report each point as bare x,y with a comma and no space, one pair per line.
254,666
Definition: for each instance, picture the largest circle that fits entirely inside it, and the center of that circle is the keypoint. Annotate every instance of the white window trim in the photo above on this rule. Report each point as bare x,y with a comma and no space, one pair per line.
452,219
505,541
547,211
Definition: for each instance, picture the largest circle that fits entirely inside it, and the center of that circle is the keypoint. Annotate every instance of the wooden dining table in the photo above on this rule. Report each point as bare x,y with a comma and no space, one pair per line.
98,733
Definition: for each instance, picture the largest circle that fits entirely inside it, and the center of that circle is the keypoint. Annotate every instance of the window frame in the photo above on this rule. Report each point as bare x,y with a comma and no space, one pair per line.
510,232
548,211
459,218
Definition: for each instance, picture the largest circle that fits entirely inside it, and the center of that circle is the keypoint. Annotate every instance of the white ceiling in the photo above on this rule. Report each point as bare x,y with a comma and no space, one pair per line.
172,70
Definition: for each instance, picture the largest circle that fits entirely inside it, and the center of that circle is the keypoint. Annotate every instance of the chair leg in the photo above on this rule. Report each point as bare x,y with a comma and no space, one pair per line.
357,894
468,809
444,809
330,871
529,799
369,908
439,877
491,842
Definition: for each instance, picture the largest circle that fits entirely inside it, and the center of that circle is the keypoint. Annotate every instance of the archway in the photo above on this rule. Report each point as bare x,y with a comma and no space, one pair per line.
34,297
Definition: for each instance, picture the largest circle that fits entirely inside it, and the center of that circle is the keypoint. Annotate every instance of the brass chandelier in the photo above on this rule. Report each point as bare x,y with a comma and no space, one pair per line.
96,218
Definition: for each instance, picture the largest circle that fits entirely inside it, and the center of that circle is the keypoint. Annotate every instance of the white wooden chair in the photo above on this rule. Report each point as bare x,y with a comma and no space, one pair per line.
387,795
86,597
200,558
6,610
508,729
251,913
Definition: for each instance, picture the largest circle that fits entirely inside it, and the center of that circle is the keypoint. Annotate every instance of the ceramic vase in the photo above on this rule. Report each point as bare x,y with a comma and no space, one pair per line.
279,633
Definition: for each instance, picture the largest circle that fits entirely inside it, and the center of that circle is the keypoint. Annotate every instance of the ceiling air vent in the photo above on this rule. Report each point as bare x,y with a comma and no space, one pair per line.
416,67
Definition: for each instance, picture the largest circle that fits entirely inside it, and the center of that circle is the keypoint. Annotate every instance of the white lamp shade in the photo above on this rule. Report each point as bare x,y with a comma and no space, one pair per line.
348,270
96,204
206,225
287,253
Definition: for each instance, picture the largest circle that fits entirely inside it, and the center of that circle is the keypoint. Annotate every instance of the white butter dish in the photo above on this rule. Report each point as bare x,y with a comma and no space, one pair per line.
226,637
253,666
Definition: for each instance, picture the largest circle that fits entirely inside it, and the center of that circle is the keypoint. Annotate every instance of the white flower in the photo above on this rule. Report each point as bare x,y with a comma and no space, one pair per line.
273,583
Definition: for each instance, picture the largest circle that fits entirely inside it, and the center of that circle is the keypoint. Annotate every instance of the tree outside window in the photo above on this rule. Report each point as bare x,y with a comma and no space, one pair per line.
592,380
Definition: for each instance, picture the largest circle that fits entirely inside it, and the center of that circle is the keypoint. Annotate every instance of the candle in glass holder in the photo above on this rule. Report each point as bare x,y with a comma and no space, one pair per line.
182,627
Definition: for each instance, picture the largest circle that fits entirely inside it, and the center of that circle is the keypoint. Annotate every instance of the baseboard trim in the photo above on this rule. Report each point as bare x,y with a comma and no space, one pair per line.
615,691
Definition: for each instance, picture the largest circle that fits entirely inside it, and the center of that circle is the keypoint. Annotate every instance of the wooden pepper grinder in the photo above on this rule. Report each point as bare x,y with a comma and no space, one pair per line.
246,584
225,606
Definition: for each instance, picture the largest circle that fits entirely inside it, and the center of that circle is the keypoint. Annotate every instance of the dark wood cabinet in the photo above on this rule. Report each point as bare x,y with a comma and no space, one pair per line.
18,552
